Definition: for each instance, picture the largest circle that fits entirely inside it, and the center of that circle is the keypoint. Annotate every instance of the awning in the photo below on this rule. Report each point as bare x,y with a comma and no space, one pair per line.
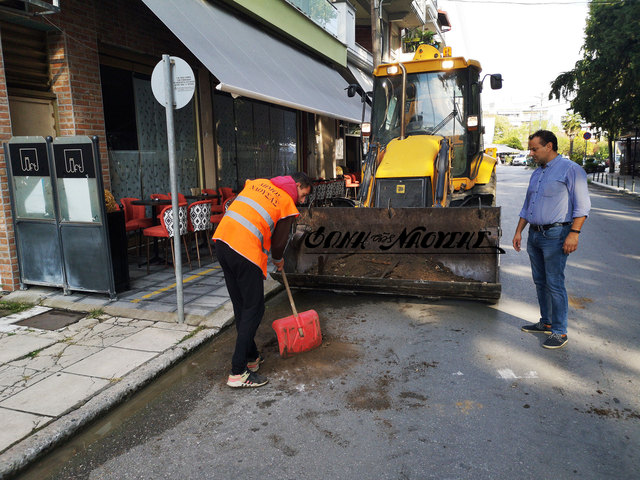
253,64
366,82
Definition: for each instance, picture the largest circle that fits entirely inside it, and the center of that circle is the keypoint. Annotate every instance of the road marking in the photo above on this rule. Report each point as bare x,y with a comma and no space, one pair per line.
173,285
507,374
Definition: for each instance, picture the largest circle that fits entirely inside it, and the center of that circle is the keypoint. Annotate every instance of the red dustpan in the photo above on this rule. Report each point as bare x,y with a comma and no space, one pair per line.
299,332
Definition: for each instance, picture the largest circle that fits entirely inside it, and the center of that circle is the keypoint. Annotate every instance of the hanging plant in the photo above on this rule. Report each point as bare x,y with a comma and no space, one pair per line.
416,37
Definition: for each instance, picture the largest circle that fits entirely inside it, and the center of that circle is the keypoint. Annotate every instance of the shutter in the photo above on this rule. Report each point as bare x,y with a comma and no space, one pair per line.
25,58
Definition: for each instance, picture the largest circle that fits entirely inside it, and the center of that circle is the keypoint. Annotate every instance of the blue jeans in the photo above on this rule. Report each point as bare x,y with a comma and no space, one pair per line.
547,267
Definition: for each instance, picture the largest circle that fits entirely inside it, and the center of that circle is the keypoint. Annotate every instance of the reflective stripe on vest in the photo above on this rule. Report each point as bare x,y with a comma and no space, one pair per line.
249,223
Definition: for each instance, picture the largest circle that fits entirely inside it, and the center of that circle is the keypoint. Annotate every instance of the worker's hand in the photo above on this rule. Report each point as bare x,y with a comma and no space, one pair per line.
570,243
517,239
279,264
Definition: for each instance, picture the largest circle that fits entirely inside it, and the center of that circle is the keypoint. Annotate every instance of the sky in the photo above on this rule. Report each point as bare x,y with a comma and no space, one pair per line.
529,42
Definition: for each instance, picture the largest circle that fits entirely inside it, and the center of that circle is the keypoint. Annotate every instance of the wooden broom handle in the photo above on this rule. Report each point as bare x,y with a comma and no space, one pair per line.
293,306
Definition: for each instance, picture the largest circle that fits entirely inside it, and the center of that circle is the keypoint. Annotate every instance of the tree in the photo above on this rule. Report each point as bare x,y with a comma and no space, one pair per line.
513,142
604,85
571,124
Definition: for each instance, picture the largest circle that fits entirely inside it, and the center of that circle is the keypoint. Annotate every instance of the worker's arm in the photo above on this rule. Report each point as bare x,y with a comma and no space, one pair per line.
279,240
517,237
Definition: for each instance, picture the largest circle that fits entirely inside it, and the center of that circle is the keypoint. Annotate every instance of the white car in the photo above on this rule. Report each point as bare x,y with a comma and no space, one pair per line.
519,160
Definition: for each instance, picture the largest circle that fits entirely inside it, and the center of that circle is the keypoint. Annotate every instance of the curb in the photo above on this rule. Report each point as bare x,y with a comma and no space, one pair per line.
20,455
614,188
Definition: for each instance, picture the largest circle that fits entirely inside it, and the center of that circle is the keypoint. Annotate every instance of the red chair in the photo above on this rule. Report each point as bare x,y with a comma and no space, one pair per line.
181,197
165,230
216,204
135,219
225,194
200,221
351,184
216,218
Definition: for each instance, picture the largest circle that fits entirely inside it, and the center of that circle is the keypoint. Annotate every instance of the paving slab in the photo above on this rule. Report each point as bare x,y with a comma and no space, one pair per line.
16,425
56,357
55,394
152,340
13,347
14,379
110,363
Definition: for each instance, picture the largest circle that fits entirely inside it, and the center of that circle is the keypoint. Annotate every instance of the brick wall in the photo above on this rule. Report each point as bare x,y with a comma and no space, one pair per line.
9,275
74,62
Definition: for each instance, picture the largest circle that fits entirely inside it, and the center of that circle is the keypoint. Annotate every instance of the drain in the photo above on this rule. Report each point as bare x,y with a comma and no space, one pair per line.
52,319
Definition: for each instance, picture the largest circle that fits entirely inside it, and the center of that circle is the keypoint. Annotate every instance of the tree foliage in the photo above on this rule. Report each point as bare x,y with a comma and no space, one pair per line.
572,124
604,86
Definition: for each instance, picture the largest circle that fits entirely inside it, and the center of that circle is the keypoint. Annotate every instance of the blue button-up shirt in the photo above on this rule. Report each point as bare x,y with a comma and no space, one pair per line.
556,193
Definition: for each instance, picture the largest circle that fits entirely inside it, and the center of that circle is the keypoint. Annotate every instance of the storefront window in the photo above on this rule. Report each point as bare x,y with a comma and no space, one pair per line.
253,140
137,137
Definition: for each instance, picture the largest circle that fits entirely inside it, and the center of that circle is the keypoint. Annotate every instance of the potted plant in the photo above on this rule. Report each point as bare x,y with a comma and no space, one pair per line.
416,37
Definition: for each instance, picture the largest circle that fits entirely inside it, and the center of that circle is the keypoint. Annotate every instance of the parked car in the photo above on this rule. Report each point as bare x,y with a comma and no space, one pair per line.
519,160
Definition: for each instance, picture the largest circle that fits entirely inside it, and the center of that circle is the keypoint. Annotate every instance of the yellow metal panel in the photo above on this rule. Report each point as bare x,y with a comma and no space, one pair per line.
412,157
486,169
432,65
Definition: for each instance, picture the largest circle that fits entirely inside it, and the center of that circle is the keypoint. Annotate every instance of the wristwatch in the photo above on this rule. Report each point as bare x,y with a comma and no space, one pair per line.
574,231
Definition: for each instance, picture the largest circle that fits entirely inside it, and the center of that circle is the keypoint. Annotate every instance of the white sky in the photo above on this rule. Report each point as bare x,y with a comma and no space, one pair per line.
529,42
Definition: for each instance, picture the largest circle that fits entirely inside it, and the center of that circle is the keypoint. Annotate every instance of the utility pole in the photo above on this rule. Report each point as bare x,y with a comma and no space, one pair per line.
375,38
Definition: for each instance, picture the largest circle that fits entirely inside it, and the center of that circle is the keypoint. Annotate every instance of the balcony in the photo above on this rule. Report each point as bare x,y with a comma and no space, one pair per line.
321,12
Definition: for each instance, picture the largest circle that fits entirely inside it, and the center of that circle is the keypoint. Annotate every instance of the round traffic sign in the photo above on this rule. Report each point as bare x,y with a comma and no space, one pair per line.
586,135
183,82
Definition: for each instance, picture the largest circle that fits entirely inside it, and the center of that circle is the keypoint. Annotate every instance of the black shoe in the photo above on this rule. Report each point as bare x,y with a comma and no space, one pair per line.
537,328
555,341
247,379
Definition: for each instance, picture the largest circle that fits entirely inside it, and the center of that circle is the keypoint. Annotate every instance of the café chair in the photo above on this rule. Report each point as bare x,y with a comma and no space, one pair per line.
165,230
158,196
135,219
216,204
225,194
200,221
351,184
181,197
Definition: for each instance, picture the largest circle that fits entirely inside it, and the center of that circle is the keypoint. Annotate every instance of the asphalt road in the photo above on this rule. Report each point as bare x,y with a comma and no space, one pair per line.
408,389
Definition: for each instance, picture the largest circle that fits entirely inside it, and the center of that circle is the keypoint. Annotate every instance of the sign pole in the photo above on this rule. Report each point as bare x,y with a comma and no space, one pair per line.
171,143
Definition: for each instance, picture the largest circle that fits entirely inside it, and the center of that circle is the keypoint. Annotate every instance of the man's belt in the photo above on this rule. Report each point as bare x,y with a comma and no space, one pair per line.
540,228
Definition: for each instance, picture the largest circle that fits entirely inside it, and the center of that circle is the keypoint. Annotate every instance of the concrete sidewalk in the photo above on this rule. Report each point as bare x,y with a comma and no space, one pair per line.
53,382
619,183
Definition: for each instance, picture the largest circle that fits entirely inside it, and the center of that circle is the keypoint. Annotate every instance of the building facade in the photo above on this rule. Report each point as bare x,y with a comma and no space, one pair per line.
270,81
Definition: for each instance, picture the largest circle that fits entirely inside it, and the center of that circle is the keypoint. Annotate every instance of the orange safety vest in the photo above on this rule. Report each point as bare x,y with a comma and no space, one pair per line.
249,222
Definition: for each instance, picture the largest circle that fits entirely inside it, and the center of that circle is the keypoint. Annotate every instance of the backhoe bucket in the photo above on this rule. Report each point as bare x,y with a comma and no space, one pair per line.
422,252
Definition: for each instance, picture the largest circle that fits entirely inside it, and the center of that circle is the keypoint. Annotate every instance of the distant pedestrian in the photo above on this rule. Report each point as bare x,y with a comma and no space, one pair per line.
258,221
555,207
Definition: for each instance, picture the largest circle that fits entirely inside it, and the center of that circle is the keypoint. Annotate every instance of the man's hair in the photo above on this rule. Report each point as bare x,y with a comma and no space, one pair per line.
303,179
546,136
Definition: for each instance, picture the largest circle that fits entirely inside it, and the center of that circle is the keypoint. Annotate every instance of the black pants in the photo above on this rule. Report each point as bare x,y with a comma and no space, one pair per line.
245,284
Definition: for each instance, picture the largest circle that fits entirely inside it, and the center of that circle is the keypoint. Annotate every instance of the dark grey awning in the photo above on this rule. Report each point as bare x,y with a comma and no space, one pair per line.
251,63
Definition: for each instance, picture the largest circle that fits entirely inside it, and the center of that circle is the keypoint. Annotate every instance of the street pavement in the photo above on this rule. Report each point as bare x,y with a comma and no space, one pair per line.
53,382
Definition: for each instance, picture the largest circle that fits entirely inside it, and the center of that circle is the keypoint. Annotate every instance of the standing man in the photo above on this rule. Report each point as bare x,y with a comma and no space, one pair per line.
258,221
556,206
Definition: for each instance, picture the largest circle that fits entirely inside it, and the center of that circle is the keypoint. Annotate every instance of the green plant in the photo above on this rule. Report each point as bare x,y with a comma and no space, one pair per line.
96,313
416,37
14,307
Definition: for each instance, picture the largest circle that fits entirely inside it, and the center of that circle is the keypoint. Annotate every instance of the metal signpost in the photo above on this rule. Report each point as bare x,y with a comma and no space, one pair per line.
173,85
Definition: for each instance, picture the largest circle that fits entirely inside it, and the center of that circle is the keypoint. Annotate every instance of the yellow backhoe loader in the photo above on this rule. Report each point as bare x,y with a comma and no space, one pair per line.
425,222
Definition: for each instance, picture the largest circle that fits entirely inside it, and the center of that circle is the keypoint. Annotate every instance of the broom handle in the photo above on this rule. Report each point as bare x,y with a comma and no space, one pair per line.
293,306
